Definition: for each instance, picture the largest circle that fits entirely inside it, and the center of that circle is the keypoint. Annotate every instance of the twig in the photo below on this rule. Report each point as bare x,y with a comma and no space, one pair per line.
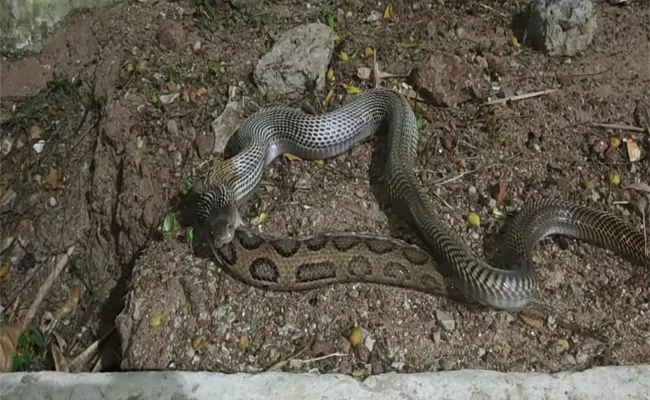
321,358
520,97
443,201
493,10
619,126
455,178
45,288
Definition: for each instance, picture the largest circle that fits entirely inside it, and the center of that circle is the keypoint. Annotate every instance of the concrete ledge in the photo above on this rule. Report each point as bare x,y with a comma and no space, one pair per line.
620,383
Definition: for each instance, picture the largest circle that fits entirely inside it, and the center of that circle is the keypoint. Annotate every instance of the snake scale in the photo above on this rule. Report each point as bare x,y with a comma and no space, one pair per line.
448,268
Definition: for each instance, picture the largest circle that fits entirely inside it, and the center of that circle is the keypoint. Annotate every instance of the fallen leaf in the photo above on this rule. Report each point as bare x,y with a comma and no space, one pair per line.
201,91
351,89
4,270
474,219
186,96
277,366
614,180
633,150
168,224
69,305
320,163
330,74
157,319
291,157
35,132
614,142
640,186
52,179
388,12
60,363
355,336
197,342
328,97
9,335
243,342
336,38
500,192
369,52
514,42
263,217
343,56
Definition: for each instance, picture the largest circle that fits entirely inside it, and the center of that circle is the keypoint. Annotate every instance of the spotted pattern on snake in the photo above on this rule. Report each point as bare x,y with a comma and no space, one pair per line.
293,266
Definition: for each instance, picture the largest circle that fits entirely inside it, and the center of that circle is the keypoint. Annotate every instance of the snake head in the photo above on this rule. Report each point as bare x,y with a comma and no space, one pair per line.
222,225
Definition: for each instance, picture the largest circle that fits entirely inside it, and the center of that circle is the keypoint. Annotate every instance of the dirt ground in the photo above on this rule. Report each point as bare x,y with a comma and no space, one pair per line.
121,158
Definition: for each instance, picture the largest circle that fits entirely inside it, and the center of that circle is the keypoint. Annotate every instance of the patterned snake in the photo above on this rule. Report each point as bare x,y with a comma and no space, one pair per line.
450,268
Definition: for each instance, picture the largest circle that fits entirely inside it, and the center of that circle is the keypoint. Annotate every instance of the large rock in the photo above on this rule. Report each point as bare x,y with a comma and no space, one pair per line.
29,25
562,27
446,80
297,61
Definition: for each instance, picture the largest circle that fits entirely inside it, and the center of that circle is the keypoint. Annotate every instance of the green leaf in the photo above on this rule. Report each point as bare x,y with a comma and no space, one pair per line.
154,99
21,362
189,232
421,123
169,223
37,339
187,186
330,21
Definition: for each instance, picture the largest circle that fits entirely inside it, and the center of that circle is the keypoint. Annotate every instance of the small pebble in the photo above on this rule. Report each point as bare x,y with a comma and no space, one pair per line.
447,364
568,359
445,320
472,190
53,202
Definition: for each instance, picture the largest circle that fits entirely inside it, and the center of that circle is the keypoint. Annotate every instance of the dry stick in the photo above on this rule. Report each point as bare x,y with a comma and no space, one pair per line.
455,178
322,358
519,97
493,10
619,126
45,288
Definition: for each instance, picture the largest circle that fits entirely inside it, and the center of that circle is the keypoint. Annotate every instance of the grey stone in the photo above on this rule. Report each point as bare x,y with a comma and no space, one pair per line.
631,382
297,62
446,320
562,27
28,26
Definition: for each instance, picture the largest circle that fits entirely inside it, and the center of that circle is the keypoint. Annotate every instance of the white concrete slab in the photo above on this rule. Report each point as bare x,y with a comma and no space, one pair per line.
619,383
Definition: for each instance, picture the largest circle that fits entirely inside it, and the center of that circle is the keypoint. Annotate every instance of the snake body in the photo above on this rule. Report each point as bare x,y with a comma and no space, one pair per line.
294,264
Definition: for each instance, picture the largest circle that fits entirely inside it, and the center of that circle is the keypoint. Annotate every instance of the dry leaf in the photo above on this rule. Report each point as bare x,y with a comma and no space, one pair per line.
500,192
351,89
277,366
330,74
9,335
355,336
633,150
388,12
52,179
291,157
157,319
60,363
640,186
343,56
328,97
369,52
69,305
4,270
198,341
35,132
